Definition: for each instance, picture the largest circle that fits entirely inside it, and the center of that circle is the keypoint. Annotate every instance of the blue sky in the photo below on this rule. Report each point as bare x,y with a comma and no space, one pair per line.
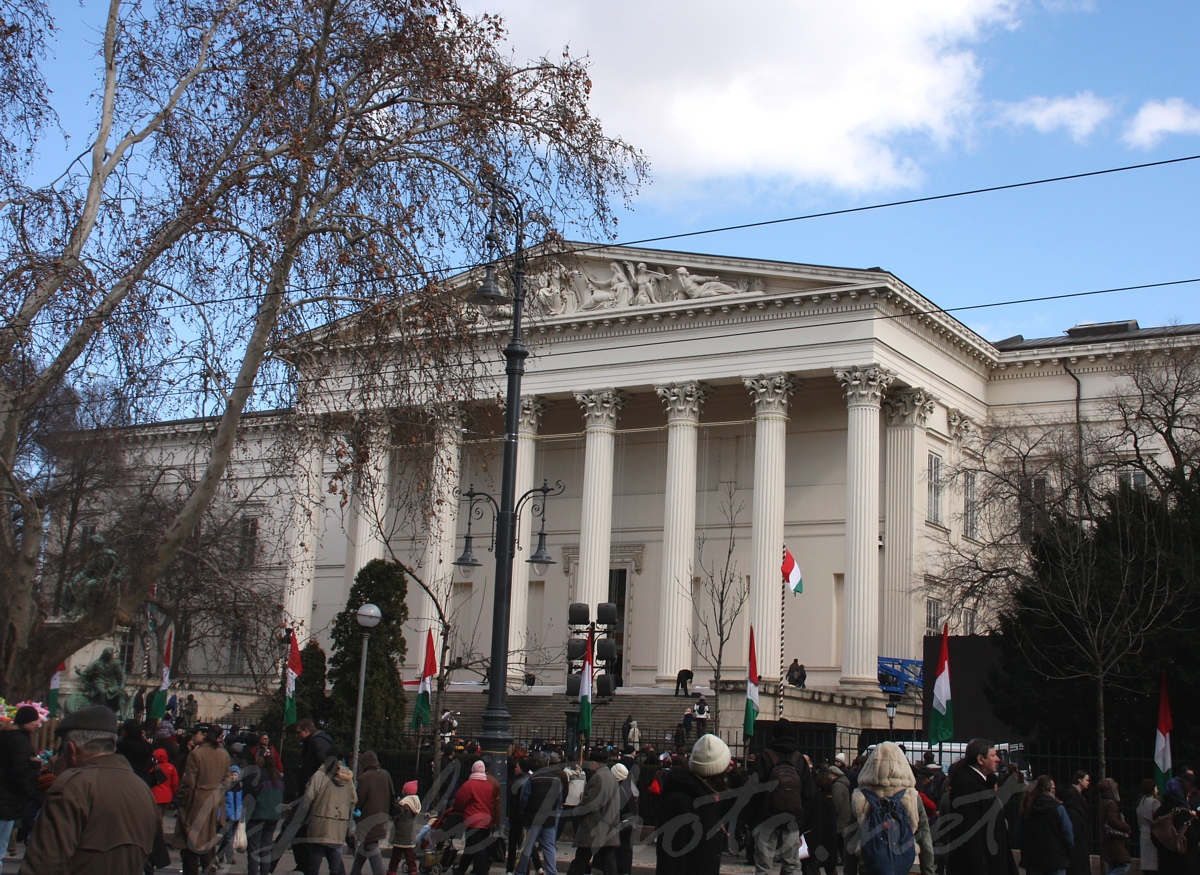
773,108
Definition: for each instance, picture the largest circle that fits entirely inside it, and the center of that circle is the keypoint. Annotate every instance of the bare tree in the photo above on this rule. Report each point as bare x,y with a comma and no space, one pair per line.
1080,564
258,170
718,597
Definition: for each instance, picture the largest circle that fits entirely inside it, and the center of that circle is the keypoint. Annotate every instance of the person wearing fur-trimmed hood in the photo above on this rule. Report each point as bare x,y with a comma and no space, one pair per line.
885,773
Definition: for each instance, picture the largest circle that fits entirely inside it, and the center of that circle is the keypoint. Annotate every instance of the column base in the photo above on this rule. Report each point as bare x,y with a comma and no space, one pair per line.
863,688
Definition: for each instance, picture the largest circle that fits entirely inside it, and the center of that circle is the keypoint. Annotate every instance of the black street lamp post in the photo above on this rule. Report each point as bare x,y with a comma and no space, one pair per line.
495,723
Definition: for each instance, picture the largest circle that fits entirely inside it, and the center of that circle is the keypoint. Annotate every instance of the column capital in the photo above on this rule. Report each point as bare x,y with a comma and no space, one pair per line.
909,407
683,400
770,392
961,425
532,410
601,406
864,385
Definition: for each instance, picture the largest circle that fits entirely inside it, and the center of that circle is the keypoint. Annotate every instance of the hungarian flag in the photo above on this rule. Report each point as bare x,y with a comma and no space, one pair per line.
1162,739
585,688
55,679
423,713
751,691
294,669
941,721
158,707
791,573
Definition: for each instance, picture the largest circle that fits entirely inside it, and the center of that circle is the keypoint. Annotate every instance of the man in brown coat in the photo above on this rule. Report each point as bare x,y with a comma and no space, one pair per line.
99,816
202,799
375,794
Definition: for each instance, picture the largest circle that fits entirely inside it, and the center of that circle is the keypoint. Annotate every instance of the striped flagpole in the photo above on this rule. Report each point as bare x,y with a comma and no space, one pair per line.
782,627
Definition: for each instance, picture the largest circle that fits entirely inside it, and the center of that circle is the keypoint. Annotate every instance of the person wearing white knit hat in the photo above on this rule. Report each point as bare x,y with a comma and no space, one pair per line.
691,809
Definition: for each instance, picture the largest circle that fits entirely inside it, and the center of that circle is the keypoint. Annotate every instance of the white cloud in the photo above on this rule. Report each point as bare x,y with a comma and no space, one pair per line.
801,91
1079,115
1158,118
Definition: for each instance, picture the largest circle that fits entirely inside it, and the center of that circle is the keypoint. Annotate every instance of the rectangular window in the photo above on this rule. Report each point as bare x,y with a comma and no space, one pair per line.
237,653
933,616
933,510
126,651
970,509
248,542
1132,479
966,622
1032,506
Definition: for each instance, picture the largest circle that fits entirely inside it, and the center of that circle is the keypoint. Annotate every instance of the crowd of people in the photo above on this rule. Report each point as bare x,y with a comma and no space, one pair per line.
100,804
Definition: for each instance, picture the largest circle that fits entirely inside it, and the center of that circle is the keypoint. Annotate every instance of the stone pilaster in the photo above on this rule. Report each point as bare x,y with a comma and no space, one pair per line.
372,486
600,409
904,517
770,394
683,402
532,409
864,387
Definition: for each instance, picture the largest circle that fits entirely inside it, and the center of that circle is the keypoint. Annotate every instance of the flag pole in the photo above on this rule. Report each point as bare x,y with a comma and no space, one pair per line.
283,691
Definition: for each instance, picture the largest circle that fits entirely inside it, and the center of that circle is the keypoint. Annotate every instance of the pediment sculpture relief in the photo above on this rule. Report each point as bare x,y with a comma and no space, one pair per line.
560,291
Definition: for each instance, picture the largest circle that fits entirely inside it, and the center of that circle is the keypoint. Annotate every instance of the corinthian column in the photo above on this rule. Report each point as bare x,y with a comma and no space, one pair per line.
864,388
305,531
770,395
532,409
679,527
436,561
600,409
908,412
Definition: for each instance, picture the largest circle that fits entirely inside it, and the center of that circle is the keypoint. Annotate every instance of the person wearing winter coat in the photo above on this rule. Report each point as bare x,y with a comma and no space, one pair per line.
1147,805
331,798
201,799
977,842
634,735
375,793
690,838
1175,805
541,804
841,798
1114,830
405,826
823,835
18,773
1045,829
233,813
597,820
474,800
164,793
263,803
1081,822
886,773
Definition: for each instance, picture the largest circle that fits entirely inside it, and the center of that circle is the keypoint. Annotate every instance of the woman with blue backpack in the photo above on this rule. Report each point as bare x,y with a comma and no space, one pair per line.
892,825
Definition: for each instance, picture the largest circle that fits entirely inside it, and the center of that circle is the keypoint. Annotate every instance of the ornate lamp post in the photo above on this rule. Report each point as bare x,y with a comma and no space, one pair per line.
368,617
494,735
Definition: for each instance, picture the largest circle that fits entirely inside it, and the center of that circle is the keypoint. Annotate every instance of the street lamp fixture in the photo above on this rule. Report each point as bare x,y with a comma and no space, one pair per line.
368,617
891,714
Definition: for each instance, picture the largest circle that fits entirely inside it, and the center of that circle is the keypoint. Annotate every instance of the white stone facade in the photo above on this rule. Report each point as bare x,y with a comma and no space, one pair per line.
657,379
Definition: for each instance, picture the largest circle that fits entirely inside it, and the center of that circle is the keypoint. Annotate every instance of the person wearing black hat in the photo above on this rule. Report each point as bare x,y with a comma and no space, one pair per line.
99,816
18,774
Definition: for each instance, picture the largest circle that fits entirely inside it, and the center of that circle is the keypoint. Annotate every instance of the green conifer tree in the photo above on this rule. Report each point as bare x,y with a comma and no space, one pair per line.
383,584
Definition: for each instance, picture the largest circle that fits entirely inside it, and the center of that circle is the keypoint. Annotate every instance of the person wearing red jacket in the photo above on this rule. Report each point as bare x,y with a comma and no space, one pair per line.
474,800
164,793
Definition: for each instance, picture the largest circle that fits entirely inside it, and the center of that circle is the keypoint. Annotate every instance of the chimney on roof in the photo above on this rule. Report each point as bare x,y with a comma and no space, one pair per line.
1103,329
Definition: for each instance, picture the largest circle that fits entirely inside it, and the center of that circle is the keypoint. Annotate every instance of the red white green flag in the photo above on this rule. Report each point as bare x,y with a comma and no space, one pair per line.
157,709
941,720
585,687
1162,739
751,691
423,712
294,669
791,573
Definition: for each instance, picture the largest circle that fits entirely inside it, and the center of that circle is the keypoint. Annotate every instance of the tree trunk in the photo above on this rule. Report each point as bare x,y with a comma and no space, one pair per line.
1101,732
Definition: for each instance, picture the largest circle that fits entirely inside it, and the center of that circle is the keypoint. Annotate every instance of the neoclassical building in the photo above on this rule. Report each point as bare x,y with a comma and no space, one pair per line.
683,399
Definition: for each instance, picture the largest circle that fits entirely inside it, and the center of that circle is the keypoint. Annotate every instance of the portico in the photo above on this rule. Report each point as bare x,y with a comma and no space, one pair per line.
816,393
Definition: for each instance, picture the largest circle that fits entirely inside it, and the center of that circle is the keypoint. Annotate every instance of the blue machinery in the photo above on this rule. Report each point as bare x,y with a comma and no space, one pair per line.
897,675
